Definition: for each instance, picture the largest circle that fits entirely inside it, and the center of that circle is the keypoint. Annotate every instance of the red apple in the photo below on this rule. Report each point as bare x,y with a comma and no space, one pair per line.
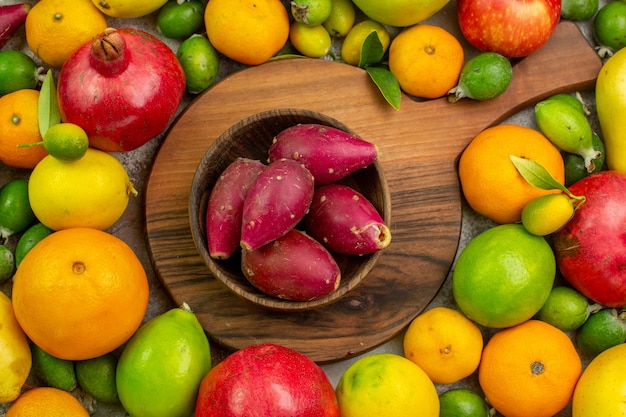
266,380
513,28
591,248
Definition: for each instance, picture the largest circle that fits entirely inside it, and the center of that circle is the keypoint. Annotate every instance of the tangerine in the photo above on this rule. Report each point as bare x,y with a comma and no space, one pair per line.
19,125
490,182
47,401
529,370
80,293
426,60
445,344
55,29
247,31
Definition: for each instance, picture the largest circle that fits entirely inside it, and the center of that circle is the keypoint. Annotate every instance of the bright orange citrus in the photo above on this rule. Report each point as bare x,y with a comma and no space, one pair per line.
55,29
445,344
426,60
529,370
80,293
19,125
490,182
48,402
247,31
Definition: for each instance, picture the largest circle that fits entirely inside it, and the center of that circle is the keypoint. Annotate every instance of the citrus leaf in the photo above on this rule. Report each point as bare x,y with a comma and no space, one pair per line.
535,174
387,84
48,107
372,50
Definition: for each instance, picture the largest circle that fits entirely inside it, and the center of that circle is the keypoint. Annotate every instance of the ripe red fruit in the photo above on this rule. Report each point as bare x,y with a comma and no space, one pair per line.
266,380
591,248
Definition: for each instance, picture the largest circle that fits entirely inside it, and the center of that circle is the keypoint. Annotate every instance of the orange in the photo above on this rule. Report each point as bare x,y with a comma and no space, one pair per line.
247,31
80,293
529,370
48,402
55,29
490,182
19,125
445,344
426,60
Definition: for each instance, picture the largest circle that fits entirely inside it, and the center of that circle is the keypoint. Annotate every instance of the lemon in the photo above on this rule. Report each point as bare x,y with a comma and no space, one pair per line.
400,13
66,141
547,214
503,276
96,377
128,8
16,360
7,263
341,19
90,192
353,43
386,385
601,389
311,41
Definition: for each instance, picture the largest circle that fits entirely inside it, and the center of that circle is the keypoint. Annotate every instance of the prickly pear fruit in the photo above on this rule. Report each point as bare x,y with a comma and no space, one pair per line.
293,267
567,128
276,202
329,153
346,222
225,206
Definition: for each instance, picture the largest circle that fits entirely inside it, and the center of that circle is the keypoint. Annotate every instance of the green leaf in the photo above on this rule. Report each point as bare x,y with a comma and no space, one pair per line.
48,106
372,50
536,174
387,84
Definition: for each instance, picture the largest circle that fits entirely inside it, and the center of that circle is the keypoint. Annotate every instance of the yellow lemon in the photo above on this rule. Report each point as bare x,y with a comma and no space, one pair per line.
353,43
128,8
90,192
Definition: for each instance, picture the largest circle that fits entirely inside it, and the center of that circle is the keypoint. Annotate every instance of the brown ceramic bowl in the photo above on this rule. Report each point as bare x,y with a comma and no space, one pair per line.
251,138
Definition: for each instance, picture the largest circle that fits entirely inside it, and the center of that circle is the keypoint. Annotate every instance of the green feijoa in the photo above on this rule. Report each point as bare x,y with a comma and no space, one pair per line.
483,77
180,19
311,12
602,330
53,371
311,41
15,211
200,63
17,71
33,235
566,308
575,164
567,128
341,19
578,10
571,100
462,402
609,27
97,377
7,263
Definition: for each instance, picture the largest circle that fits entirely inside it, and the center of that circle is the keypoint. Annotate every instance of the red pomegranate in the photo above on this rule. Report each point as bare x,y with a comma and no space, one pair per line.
266,380
591,248
123,88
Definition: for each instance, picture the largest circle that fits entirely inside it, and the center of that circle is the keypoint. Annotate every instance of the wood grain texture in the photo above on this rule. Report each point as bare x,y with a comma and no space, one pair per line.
418,149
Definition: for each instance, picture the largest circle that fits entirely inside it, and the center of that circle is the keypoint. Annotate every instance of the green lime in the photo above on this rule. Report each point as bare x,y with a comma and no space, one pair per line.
609,27
602,330
503,276
566,309
179,19
547,214
53,371
97,377
15,211
311,41
575,164
66,141
200,63
485,76
17,71
7,263
354,40
29,239
462,402
311,12
571,100
578,10
341,19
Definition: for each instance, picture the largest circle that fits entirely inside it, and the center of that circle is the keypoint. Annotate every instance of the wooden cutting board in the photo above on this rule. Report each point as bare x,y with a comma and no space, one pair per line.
419,146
